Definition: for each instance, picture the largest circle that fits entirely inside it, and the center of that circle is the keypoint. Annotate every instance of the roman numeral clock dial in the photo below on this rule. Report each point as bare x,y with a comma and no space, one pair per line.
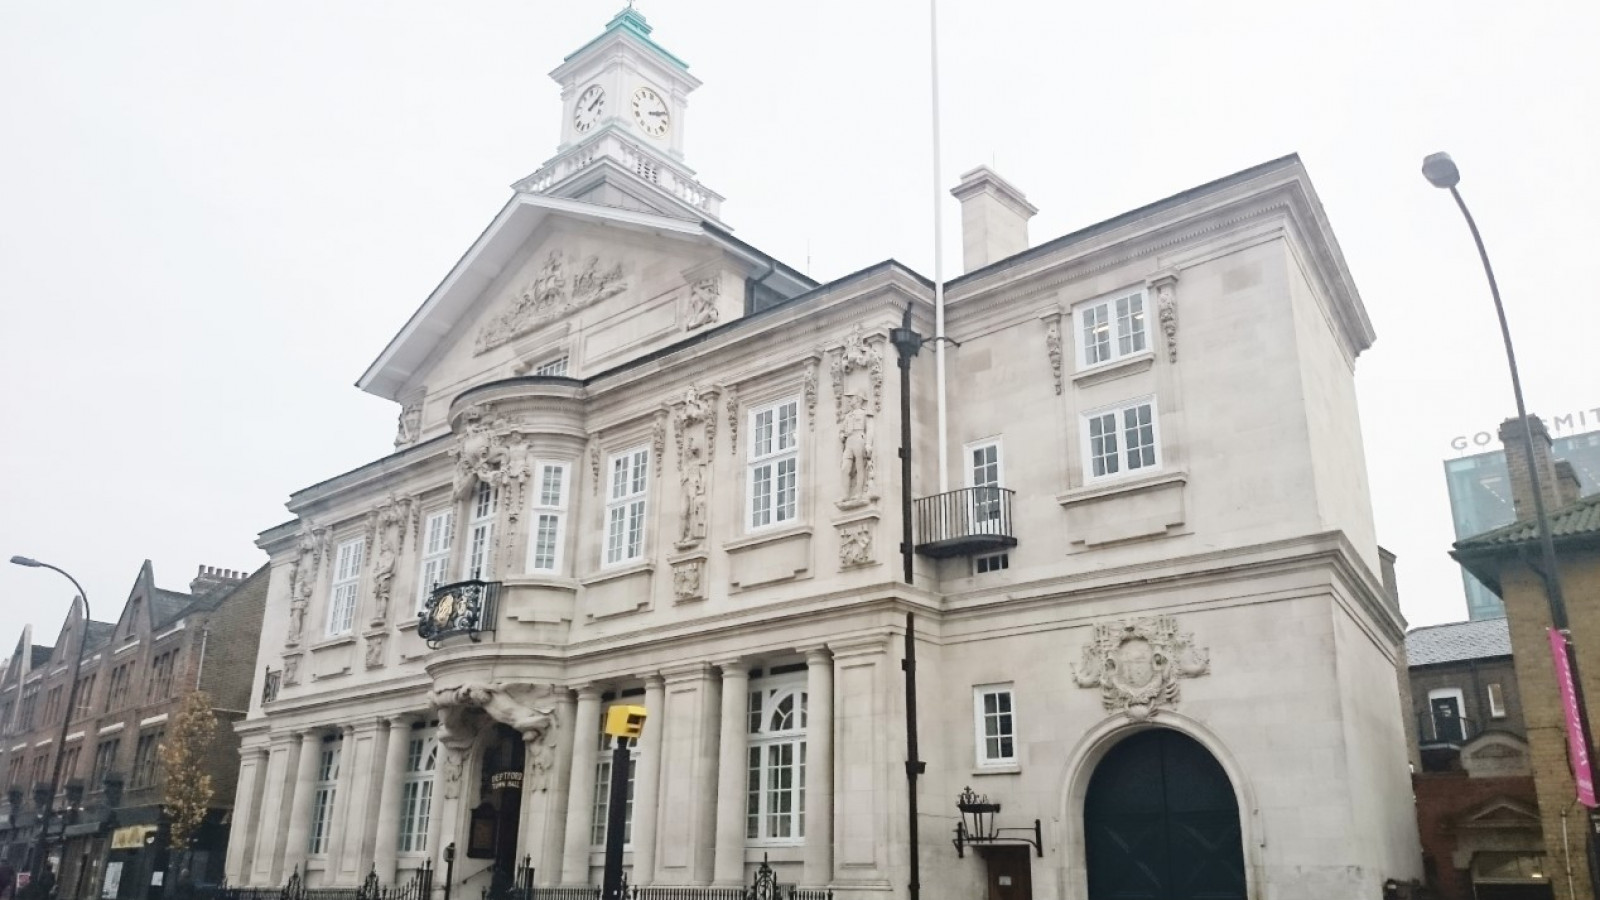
650,111
590,107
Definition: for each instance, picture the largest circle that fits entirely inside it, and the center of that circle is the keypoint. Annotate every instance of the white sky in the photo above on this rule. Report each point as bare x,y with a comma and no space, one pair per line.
213,216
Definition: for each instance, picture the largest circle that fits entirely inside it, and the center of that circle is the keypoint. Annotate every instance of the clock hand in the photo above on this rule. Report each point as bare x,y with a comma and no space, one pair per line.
658,113
595,103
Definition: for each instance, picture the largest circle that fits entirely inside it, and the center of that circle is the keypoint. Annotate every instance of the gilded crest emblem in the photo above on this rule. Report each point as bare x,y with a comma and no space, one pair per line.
1136,663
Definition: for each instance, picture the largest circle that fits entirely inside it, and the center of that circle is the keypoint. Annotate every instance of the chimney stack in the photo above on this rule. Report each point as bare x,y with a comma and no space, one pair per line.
212,579
1518,465
1568,488
994,218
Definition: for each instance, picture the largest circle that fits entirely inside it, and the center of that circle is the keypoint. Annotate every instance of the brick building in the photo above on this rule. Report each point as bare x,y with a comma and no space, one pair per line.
1500,559
1476,810
106,838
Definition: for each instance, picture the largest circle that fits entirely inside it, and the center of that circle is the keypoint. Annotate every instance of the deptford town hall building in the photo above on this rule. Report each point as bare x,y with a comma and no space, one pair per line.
640,461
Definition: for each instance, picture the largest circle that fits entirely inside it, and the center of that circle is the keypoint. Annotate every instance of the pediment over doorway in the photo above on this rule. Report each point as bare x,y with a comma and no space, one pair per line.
1496,754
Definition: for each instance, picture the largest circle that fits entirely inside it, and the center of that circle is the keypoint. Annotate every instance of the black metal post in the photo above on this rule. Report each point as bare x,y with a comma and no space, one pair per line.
42,847
906,344
914,764
616,820
449,867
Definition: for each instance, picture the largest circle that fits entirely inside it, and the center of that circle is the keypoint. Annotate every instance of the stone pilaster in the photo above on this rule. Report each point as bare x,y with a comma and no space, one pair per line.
547,865
580,795
386,844
297,836
647,782
246,813
729,866
343,825
818,869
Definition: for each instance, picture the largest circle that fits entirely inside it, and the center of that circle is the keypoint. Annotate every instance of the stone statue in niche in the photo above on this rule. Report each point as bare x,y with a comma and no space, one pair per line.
857,368
410,426
386,530
856,466
303,580
1137,662
703,296
693,415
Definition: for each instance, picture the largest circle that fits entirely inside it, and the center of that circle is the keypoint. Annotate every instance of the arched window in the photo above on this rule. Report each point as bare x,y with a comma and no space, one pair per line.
775,803
416,800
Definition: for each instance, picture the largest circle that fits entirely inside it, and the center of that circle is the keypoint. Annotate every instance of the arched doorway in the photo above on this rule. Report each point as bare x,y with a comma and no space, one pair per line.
1161,822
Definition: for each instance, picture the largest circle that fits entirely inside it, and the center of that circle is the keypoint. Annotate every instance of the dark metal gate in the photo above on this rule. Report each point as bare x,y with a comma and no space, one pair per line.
1161,823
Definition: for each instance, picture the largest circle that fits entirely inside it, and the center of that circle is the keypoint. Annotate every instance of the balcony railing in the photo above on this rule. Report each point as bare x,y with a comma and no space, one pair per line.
1440,730
964,522
463,608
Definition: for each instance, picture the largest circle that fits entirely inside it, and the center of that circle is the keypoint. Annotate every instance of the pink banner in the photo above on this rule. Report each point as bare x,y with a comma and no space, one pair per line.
1576,750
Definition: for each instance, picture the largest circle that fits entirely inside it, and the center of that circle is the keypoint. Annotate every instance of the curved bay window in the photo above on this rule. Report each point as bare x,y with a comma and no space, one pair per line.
775,803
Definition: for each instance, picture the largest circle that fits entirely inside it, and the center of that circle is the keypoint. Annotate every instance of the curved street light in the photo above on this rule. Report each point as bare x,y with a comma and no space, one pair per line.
66,719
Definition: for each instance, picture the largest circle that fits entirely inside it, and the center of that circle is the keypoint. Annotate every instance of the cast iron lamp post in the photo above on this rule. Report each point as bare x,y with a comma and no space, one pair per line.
66,718
1441,172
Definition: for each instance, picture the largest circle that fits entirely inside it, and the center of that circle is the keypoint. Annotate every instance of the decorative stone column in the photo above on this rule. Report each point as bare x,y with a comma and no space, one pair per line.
342,824
580,793
387,844
547,865
297,836
729,866
818,869
647,782
246,814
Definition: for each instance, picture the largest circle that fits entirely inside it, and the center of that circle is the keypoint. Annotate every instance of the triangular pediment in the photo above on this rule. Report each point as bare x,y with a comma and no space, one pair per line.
550,270
1500,812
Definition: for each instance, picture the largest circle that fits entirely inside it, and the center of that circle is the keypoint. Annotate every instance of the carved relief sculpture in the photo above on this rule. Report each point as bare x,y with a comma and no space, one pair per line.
857,368
658,440
594,463
855,545
291,670
541,757
693,435
730,398
809,387
410,426
688,579
480,451
550,295
1167,311
1137,662
1052,348
856,466
375,644
703,296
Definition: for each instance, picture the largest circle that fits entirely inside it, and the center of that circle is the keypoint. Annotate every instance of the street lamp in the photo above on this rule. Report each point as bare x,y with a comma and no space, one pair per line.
66,719
1441,172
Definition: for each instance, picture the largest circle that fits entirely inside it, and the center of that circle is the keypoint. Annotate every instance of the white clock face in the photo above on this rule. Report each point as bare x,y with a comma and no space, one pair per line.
591,105
650,111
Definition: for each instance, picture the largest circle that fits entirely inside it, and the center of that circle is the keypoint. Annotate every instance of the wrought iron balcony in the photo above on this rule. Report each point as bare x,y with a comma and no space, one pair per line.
1436,729
964,522
463,608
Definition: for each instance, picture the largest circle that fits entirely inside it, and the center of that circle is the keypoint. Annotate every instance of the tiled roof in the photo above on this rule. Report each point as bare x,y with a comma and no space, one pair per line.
1456,641
41,655
167,605
1579,519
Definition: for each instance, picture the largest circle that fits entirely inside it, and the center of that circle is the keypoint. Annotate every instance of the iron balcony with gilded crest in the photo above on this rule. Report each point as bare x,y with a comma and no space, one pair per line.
465,608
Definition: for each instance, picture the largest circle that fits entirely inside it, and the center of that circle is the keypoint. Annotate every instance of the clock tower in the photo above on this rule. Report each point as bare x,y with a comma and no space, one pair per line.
623,102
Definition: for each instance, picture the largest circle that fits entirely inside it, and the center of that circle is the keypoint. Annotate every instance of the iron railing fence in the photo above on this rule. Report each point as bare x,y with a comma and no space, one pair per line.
418,887
1436,728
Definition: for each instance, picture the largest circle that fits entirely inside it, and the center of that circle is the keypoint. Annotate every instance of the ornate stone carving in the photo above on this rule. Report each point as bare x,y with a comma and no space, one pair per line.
855,544
658,440
594,463
541,754
291,669
481,451
857,368
809,387
696,418
303,579
386,531
730,399
703,296
1052,347
375,645
1137,662
529,708
551,294
410,425
856,465
1165,289
688,579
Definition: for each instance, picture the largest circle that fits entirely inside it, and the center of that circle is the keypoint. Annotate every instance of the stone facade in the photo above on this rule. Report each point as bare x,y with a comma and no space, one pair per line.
701,515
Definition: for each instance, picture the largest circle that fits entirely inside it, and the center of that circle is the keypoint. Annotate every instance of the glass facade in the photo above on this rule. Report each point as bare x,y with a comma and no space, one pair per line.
1480,500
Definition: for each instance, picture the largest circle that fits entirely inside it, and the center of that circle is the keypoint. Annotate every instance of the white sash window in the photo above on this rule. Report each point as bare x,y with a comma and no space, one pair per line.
625,506
346,582
774,464
479,562
438,531
549,517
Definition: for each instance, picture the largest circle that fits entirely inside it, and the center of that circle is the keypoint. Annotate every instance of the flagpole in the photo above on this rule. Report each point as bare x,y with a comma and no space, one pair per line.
938,258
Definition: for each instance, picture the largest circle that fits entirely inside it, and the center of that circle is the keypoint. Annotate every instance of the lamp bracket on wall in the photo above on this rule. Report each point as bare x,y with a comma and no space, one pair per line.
977,828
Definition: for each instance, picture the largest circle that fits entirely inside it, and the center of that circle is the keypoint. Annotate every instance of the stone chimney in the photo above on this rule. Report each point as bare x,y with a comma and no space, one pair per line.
212,580
1568,487
994,218
1518,465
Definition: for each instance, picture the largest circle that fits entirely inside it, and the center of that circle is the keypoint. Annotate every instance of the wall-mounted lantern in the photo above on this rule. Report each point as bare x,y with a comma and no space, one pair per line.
977,825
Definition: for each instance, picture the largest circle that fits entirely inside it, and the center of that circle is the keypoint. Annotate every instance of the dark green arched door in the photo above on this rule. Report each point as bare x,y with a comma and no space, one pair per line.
1161,823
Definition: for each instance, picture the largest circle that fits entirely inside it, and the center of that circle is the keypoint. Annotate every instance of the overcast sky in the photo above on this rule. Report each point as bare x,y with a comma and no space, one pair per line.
213,216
